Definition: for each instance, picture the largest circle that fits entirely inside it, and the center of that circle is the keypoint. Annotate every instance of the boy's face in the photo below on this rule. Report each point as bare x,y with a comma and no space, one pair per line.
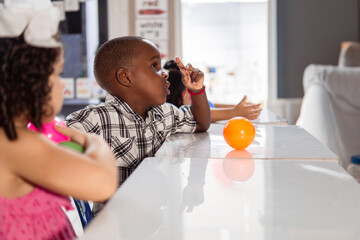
149,81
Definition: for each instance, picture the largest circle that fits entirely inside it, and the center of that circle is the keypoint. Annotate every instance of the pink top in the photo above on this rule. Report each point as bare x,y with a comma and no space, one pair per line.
37,215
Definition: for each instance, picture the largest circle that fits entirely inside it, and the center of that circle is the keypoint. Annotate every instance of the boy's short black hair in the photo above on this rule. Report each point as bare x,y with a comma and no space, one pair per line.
115,53
24,82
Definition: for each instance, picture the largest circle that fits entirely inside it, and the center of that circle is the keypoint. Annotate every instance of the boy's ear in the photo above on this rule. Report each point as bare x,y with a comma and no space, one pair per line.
122,76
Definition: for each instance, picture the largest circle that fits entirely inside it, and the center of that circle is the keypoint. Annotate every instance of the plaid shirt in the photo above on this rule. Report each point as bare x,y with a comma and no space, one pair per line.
130,137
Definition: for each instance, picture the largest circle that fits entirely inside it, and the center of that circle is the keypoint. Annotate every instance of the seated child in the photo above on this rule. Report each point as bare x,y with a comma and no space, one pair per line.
36,174
134,120
179,96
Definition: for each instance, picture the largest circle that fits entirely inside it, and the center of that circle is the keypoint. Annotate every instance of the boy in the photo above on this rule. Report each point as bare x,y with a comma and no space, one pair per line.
134,119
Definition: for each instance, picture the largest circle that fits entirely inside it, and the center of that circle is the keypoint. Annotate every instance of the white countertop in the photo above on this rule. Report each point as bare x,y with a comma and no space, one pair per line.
232,199
271,142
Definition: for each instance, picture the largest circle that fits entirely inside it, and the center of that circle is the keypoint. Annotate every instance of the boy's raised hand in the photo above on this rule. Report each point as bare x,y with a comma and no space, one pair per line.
193,78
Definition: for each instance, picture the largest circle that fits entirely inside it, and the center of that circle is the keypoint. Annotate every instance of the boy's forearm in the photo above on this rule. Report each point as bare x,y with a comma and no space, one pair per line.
201,111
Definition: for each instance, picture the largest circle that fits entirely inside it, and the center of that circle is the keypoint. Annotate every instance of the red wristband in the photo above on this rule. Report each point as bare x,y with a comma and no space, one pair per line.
196,93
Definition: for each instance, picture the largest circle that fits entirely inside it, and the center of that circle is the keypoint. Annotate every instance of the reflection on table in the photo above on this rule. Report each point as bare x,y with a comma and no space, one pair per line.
271,142
232,199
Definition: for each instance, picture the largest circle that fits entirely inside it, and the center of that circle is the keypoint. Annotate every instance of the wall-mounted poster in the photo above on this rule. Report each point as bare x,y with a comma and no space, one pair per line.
83,88
72,5
152,23
152,9
152,28
69,89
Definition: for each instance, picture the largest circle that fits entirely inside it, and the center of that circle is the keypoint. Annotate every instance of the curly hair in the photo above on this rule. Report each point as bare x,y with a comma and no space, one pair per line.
176,84
24,82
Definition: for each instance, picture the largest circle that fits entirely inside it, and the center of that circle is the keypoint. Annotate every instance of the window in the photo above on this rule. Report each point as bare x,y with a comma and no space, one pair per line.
228,40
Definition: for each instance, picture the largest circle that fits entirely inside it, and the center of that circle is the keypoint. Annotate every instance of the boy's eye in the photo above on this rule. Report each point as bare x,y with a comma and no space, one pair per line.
155,65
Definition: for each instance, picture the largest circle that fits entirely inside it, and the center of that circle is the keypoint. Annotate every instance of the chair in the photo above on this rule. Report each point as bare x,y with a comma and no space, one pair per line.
331,108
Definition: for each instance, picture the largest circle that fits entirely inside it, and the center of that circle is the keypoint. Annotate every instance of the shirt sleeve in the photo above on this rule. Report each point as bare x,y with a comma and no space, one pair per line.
84,120
102,122
181,120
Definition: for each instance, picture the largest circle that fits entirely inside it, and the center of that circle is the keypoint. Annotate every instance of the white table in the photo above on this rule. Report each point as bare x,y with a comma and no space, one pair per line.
271,142
266,117
231,199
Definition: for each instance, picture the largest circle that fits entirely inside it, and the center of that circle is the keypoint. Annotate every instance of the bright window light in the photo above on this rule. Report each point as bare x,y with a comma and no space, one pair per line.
228,41
222,1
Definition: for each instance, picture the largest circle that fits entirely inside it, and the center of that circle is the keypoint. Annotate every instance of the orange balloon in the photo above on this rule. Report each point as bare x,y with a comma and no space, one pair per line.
239,132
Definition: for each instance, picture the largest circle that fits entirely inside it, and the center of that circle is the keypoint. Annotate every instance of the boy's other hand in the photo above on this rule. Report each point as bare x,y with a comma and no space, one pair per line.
193,78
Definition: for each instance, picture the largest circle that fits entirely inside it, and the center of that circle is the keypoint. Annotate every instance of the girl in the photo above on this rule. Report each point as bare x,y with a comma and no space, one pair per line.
36,174
179,96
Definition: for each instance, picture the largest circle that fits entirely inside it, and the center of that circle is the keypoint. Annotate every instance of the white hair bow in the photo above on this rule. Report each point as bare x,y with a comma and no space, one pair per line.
37,19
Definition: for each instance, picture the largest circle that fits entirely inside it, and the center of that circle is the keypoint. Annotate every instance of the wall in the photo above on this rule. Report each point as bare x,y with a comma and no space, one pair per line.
310,31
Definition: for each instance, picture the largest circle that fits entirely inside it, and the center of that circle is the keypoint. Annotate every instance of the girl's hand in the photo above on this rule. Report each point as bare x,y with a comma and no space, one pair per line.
74,134
193,78
248,110
94,145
